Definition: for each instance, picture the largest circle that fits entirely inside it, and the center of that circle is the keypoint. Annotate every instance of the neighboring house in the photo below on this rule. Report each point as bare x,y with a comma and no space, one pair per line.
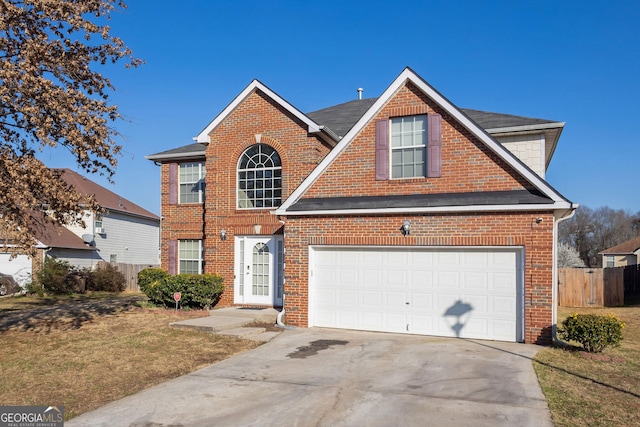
401,214
621,255
125,233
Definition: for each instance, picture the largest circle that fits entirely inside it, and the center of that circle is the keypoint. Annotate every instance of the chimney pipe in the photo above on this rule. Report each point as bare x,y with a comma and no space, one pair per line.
360,90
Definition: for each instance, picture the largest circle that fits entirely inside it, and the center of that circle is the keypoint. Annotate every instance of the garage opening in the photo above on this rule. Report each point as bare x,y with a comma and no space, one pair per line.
453,292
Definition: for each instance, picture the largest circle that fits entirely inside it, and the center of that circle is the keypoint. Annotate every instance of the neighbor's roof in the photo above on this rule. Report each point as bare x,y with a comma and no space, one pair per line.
56,236
628,247
105,198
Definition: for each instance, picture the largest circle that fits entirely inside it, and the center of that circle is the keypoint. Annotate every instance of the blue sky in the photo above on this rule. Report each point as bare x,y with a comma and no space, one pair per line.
571,61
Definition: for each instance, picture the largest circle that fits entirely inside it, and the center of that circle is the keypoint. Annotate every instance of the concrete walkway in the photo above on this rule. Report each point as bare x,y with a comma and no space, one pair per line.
325,377
241,322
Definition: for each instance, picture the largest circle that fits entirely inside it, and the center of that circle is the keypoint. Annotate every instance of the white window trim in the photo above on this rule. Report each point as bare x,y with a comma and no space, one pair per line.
200,183
274,168
423,146
199,259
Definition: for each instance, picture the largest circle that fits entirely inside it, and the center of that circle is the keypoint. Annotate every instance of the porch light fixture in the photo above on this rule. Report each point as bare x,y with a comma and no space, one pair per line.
223,234
406,228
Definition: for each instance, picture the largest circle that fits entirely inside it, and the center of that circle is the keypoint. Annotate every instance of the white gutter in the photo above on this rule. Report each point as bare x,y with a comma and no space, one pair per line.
554,299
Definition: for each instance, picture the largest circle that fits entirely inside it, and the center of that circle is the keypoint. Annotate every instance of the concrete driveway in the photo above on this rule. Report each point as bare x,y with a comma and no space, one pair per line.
325,377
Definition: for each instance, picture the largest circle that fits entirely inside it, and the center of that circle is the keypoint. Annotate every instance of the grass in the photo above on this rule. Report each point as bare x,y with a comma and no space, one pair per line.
584,389
83,352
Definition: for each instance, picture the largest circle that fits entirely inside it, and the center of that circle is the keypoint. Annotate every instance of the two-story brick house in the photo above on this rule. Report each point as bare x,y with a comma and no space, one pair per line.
402,213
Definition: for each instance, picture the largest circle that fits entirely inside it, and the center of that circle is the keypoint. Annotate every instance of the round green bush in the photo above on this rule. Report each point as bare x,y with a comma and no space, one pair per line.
593,332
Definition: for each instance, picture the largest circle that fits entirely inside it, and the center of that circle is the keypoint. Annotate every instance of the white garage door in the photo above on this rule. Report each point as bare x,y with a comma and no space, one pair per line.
19,268
463,292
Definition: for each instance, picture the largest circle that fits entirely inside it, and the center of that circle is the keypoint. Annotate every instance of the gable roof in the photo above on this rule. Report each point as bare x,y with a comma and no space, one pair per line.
105,198
323,132
629,247
408,75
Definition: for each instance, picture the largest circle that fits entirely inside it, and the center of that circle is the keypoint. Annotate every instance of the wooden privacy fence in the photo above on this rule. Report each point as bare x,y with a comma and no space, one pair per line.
591,287
130,272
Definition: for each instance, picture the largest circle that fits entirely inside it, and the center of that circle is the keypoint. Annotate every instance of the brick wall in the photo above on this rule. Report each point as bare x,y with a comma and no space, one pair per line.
467,165
454,230
257,119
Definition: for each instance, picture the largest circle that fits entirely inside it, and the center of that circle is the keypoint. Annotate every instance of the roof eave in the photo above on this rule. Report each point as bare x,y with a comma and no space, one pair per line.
176,156
431,210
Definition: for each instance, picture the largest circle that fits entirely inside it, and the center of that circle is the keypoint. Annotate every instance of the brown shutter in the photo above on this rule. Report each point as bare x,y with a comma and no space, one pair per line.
173,185
172,252
382,150
434,146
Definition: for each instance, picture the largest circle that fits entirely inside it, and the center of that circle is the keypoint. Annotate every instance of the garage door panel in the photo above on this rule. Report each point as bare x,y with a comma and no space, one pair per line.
475,281
396,277
447,279
502,282
421,301
473,293
373,277
420,279
372,299
504,306
348,297
348,318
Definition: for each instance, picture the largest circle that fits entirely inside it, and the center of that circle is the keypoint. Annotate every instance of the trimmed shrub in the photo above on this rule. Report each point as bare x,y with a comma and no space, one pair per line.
197,290
148,282
593,332
107,279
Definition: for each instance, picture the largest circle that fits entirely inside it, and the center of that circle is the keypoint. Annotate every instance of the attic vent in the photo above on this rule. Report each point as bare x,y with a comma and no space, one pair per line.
360,90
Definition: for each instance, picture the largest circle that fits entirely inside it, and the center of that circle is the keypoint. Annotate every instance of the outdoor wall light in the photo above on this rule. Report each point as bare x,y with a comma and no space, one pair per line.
223,234
406,228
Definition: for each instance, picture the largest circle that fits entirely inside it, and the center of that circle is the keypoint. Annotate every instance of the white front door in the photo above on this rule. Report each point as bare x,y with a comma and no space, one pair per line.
259,270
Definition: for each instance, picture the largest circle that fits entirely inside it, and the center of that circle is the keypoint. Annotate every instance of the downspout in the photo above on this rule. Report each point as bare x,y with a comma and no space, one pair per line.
554,309
279,321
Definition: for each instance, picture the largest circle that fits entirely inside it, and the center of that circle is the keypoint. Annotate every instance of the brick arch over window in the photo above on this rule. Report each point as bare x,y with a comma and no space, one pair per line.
259,177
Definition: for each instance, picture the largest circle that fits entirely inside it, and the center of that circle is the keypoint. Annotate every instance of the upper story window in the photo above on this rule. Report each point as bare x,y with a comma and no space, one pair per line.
259,178
408,146
192,184
97,223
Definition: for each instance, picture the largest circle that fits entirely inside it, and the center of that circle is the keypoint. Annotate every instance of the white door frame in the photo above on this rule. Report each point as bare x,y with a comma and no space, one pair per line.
258,279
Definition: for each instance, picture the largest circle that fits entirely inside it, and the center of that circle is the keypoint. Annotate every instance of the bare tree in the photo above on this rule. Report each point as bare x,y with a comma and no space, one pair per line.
52,96
592,231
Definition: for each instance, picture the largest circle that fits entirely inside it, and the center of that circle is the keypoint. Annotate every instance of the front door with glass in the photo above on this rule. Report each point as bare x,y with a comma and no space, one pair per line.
259,270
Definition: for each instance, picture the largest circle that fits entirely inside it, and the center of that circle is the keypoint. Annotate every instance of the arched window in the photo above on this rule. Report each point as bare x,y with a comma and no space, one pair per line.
259,178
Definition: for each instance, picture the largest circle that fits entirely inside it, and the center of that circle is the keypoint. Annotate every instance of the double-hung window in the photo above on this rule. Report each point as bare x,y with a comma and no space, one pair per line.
190,257
192,182
409,146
